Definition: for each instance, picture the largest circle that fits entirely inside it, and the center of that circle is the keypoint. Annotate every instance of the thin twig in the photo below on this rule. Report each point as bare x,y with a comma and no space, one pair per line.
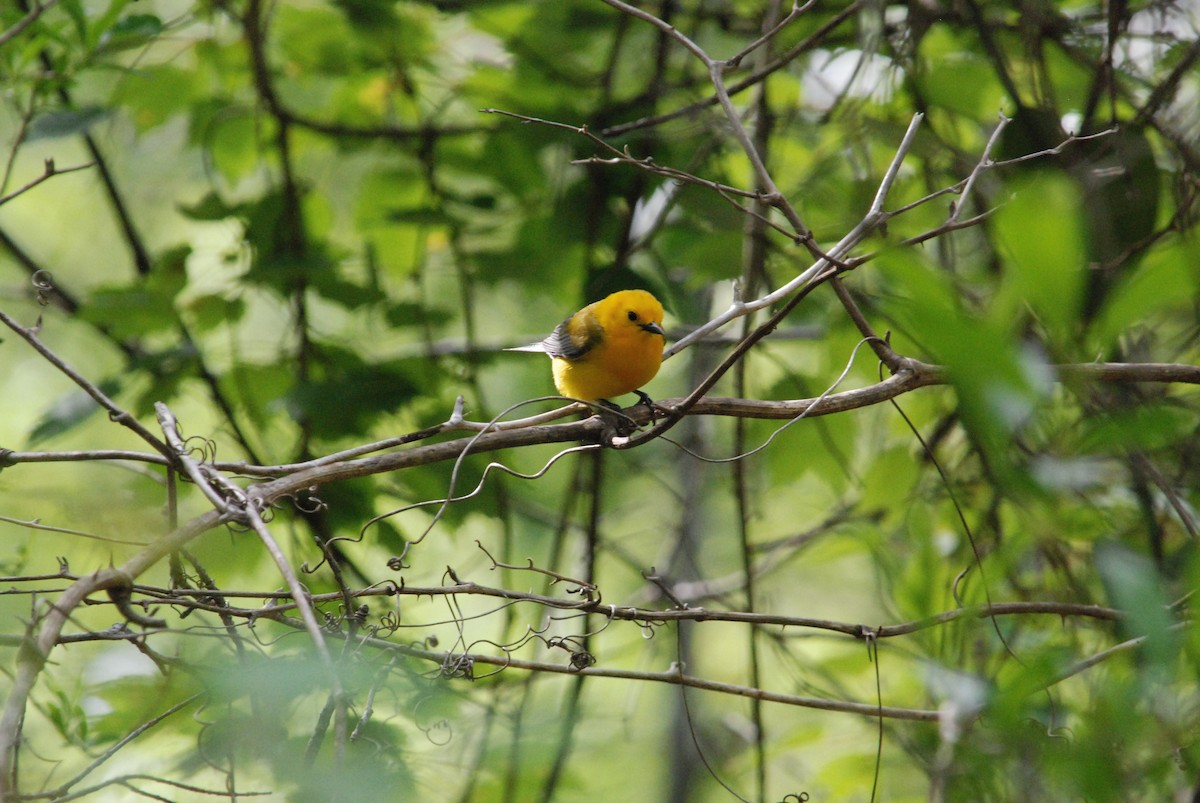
115,412
36,524
984,162
716,72
23,23
50,172
299,596
735,60
62,790
755,78
195,471
36,650
838,251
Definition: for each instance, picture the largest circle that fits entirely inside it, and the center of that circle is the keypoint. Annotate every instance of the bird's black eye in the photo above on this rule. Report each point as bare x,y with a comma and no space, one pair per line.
632,315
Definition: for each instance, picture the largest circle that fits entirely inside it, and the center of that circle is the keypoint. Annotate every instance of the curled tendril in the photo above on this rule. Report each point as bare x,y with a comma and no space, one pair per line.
402,558
458,666
393,588
359,615
310,503
43,283
582,659
587,592
647,627
442,725
201,448
390,621
396,563
237,526
463,664
564,642
795,797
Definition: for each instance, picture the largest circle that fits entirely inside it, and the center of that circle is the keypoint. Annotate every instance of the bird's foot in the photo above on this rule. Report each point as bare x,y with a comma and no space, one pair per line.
654,408
619,424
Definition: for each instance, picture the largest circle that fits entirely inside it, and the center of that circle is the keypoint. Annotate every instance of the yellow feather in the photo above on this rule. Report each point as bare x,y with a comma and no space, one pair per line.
608,348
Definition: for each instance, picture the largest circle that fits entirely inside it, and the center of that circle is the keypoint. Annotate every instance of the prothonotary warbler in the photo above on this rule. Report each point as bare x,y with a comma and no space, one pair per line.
608,348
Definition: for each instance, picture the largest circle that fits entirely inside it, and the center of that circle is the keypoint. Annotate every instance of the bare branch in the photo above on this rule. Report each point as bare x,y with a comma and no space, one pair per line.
797,10
38,9
859,233
50,172
36,524
786,58
284,601
115,412
298,594
36,650
62,790
232,501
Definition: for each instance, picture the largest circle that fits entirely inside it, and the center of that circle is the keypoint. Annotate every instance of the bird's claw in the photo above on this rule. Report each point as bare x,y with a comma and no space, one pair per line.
651,405
619,424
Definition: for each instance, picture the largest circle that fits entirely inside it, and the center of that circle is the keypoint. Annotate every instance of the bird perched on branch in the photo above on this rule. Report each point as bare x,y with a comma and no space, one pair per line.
608,348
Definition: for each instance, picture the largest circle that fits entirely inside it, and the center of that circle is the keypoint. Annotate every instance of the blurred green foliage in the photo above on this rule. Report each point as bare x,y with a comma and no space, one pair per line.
302,232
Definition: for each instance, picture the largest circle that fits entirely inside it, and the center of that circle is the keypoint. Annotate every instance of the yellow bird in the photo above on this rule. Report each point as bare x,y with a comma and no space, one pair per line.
608,348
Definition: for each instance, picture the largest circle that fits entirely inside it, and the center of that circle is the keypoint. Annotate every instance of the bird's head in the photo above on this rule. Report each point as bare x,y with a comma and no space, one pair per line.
633,311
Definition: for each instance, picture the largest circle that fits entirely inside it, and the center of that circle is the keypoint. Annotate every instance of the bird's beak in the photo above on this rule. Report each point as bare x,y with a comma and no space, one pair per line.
653,328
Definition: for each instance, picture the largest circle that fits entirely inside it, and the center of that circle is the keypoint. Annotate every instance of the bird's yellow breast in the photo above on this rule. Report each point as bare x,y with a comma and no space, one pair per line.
608,348
622,364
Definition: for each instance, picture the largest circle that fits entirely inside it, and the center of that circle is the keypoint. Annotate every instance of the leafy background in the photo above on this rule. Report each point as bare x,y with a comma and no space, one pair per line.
296,225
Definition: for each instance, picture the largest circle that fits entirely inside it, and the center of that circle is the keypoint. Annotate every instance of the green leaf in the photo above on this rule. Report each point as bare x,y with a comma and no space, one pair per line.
1134,587
65,122
352,393
261,387
212,311
370,15
152,95
130,312
208,208
346,293
69,411
228,133
389,187
317,39
423,216
170,368
406,313
1041,239
1164,281
103,22
75,10
1150,425
1030,130
133,31
1000,382
146,306
955,77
